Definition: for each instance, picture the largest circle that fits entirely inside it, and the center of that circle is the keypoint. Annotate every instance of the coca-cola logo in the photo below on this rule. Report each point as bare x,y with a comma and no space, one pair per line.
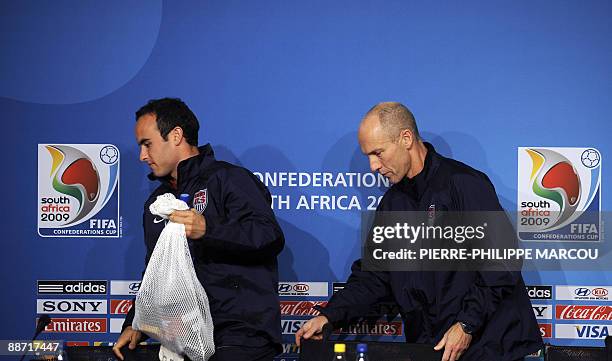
583,312
300,308
600,292
301,287
121,307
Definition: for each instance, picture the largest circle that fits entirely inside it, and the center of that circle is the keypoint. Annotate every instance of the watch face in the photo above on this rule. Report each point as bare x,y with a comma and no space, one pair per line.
466,328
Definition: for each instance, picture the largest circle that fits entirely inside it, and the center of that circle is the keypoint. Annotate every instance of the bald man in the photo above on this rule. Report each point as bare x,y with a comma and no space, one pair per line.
471,316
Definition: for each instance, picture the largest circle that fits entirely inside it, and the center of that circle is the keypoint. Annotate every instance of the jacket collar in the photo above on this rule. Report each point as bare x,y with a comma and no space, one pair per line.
417,185
190,167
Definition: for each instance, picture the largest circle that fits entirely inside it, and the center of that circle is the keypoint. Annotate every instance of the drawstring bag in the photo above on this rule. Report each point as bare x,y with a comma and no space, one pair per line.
171,305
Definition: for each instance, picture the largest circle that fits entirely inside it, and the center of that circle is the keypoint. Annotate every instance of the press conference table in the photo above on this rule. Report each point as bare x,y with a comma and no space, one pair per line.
105,353
377,351
317,351
311,351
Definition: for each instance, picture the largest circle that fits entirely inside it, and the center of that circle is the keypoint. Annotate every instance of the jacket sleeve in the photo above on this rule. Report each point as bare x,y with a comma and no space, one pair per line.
476,193
248,225
362,290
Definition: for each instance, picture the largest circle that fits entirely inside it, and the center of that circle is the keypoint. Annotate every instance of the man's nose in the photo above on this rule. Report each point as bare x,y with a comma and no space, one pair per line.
374,165
143,154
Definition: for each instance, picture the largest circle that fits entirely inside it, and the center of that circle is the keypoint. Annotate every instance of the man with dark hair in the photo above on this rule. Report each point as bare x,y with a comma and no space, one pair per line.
233,235
472,315
170,113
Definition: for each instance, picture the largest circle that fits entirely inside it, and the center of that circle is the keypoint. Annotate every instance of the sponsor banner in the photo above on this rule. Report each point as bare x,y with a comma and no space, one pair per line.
378,328
71,306
76,325
108,343
337,286
559,194
539,292
545,330
105,343
312,289
300,308
72,287
290,327
124,288
582,332
120,307
542,312
116,324
77,343
78,190
290,349
583,293
583,312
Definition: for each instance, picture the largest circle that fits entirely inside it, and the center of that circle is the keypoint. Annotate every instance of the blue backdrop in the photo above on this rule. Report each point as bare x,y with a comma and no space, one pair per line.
280,86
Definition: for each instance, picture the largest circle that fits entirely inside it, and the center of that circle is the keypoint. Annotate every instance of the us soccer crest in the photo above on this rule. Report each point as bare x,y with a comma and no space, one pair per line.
431,214
200,200
559,194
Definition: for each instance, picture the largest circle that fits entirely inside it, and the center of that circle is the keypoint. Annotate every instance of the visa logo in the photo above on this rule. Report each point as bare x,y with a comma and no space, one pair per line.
592,331
291,326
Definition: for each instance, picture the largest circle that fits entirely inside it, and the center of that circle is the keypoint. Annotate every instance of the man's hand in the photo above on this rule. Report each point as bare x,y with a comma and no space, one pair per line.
195,223
454,343
311,329
129,335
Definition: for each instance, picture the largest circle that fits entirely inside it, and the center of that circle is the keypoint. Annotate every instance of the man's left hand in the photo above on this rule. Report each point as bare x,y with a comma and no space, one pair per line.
195,223
454,343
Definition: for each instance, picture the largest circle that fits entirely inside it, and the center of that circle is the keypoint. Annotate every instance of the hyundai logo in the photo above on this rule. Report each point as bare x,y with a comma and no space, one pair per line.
582,292
284,287
135,286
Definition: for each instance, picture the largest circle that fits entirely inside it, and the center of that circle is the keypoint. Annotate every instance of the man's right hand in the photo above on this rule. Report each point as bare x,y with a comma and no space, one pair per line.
311,329
129,335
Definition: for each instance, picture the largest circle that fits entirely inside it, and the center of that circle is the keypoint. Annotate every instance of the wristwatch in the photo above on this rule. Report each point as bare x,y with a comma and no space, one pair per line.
467,328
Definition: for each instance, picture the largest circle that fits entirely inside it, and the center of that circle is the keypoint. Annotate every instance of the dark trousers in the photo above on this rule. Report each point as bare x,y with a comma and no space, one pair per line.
242,353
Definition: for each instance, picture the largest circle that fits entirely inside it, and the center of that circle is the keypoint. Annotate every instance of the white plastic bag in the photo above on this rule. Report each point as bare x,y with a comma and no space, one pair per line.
171,305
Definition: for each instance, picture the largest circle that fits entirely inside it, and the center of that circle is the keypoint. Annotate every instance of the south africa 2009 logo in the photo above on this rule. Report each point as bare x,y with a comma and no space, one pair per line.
78,190
559,194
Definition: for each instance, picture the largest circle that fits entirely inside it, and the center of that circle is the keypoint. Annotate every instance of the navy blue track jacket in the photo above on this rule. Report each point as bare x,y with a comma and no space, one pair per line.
236,259
495,303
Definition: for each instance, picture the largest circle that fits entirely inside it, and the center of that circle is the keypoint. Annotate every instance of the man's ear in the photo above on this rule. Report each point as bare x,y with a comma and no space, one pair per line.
406,138
176,135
